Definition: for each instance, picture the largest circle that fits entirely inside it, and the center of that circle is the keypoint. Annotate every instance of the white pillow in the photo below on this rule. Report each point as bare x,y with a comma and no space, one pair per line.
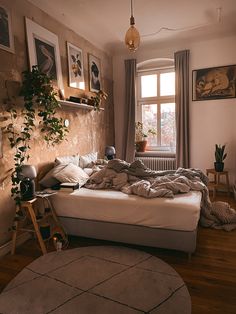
72,173
87,159
70,159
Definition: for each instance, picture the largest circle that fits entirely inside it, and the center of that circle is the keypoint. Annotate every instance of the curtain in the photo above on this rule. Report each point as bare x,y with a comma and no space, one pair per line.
129,111
182,107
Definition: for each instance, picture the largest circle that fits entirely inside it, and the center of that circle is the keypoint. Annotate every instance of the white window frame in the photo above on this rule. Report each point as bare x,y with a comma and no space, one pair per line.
153,100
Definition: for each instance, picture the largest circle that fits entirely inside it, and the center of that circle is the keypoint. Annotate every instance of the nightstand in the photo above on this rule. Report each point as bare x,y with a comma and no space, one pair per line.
32,220
217,184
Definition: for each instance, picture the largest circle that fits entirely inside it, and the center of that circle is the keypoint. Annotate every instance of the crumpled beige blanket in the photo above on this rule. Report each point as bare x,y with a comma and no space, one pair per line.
136,179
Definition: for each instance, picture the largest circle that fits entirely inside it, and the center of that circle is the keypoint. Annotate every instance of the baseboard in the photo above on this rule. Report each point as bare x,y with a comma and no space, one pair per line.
6,248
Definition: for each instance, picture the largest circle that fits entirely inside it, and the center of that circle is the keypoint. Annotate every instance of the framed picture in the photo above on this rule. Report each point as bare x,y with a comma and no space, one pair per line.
6,37
95,83
43,49
75,66
214,83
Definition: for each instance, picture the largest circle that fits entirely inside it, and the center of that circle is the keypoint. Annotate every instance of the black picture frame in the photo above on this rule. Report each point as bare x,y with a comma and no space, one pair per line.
95,77
6,36
214,83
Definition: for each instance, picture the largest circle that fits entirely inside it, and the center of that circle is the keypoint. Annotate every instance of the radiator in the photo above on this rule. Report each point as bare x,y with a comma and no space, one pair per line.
159,163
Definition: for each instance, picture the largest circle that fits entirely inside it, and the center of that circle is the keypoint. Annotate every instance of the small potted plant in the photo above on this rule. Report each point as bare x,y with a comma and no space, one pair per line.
96,100
141,136
219,157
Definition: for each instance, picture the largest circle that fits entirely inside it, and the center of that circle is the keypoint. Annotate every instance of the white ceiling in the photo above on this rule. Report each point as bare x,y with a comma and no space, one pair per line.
105,22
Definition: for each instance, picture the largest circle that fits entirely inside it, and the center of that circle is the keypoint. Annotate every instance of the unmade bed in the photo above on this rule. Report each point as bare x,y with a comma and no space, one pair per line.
112,215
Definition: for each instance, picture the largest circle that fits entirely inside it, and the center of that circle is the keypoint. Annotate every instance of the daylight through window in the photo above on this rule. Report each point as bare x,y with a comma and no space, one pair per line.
156,107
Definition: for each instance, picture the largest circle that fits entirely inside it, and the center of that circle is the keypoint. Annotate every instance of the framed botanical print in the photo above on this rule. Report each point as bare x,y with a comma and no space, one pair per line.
43,49
6,37
75,66
95,84
214,83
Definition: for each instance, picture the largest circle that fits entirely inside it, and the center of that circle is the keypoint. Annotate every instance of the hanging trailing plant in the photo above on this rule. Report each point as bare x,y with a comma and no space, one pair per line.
39,98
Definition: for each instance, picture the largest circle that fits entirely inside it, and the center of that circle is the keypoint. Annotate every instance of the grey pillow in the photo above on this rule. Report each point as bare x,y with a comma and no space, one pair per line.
48,180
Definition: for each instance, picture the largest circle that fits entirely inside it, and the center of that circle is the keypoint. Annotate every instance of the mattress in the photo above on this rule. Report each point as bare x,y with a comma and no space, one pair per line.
180,213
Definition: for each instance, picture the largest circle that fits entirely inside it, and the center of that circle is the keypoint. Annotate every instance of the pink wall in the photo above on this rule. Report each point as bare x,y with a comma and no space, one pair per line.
211,121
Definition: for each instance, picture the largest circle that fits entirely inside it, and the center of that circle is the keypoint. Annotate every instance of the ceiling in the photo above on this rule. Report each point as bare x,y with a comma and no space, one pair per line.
105,22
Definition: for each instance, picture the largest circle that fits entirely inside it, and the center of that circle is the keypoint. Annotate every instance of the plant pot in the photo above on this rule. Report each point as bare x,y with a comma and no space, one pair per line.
141,146
219,166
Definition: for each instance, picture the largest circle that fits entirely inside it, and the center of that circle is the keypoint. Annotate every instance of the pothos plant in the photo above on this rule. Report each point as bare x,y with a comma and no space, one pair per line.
39,100
97,99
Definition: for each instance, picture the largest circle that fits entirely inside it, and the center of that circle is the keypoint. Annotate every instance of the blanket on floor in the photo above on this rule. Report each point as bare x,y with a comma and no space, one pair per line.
136,178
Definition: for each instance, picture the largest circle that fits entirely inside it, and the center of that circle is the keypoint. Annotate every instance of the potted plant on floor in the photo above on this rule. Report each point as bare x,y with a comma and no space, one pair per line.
219,157
141,136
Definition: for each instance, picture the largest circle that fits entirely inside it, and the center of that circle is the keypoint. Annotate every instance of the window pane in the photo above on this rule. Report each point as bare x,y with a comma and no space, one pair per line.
149,85
167,84
149,119
168,125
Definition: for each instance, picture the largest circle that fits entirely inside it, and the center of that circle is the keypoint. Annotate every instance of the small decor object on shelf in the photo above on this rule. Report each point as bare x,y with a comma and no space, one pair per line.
141,135
220,156
96,100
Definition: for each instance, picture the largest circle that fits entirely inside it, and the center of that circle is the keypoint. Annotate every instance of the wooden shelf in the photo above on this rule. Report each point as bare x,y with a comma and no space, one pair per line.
71,104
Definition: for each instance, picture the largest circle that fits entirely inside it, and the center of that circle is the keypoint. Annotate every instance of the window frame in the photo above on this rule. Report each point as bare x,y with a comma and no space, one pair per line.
158,100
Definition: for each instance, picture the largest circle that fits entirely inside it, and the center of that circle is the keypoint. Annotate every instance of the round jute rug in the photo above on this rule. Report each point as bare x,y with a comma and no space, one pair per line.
97,280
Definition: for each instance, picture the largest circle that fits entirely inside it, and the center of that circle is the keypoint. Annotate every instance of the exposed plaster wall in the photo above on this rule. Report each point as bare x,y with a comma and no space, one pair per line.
89,130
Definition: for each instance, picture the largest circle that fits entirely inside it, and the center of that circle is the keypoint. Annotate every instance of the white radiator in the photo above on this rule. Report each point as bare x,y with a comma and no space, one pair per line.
159,163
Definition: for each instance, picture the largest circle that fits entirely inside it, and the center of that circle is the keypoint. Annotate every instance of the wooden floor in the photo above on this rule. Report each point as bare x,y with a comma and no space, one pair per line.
210,275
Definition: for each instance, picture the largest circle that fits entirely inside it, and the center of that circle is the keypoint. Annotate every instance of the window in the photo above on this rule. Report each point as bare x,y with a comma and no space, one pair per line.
156,107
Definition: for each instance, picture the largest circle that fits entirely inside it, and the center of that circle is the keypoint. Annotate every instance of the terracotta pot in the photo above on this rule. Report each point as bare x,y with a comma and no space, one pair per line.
141,146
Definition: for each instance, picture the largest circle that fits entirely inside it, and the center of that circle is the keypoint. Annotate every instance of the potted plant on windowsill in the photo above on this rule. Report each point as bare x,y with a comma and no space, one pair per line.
220,157
141,136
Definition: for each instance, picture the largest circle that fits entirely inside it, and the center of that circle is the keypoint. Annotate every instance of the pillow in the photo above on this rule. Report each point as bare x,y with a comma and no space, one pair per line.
89,171
87,159
72,173
49,180
73,159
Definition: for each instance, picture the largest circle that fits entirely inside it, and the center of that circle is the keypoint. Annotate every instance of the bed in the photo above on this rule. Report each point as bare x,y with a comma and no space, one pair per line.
115,216
109,214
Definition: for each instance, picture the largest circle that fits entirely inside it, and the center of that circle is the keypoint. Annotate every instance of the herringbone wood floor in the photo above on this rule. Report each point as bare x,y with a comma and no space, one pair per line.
210,275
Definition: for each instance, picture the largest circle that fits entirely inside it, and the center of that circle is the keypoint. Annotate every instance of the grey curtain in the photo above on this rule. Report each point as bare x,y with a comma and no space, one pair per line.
129,112
182,107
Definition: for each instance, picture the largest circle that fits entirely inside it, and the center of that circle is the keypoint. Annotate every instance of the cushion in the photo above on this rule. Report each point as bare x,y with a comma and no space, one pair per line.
72,173
49,180
70,159
87,159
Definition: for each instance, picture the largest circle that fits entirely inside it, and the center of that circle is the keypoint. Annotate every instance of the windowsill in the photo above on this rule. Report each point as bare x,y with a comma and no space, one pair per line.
156,154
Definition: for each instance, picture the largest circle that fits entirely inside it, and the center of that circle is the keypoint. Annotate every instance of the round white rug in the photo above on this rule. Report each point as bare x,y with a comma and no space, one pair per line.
97,280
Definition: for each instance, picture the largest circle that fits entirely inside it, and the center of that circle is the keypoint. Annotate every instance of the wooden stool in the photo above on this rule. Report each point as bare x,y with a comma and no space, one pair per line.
35,224
216,183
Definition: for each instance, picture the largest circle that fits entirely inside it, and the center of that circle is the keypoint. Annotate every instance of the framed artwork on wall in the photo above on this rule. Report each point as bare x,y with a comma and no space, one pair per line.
43,49
95,83
214,83
75,66
6,37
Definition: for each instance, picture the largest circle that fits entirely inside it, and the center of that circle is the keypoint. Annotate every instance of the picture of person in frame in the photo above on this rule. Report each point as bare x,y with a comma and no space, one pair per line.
95,82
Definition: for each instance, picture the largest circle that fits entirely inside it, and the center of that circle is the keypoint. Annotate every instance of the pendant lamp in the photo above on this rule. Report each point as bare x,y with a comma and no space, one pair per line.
132,37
